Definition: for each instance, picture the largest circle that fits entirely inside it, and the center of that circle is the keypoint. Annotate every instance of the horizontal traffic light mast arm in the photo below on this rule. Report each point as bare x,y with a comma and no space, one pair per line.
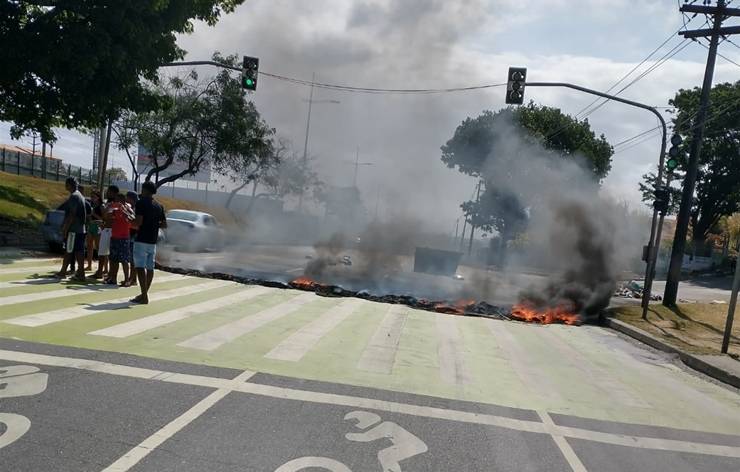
201,63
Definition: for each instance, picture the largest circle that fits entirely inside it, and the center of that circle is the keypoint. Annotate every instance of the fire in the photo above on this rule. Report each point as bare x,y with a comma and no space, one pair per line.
458,308
563,313
304,283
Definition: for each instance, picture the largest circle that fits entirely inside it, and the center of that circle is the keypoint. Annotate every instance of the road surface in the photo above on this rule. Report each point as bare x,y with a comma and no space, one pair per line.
219,376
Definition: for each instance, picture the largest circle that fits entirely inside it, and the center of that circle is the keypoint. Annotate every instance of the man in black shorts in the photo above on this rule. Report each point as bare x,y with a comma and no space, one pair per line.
73,230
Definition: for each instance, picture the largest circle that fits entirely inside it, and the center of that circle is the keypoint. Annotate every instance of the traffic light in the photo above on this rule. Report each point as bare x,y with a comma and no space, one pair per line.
250,70
515,85
674,154
662,198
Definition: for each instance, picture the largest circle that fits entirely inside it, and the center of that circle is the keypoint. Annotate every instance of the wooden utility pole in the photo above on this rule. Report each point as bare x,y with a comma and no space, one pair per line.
719,14
472,224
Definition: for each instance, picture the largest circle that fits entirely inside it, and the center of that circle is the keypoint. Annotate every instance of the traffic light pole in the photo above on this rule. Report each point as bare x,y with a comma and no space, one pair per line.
655,228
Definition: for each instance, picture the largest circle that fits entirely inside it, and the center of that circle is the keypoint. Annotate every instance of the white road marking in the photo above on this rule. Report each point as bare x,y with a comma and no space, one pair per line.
15,427
311,462
380,353
217,337
135,455
602,379
536,380
450,351
28,270
568,453
28,282
61,293
372,404
302,341
21,381
40,260
141,325
80,311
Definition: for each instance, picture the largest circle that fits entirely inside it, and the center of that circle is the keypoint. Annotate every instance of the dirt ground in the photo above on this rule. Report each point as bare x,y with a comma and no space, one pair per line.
693,327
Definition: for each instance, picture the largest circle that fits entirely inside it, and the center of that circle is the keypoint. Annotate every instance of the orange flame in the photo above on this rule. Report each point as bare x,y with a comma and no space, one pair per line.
563,313
304,283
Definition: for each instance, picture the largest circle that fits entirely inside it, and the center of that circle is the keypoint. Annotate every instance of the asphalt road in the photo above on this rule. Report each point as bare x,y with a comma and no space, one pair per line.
218,376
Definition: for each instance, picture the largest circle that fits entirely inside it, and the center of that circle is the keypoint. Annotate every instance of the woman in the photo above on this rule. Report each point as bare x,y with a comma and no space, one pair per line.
93,226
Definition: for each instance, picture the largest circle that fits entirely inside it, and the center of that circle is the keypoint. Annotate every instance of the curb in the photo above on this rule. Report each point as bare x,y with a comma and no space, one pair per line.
690,360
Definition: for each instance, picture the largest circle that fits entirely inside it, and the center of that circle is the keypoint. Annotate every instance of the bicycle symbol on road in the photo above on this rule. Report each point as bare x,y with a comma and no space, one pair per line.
404,445
18,381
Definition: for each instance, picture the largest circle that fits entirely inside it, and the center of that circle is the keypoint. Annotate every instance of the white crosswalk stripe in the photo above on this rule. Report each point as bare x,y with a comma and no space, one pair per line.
28,270
66,292
28,283
452,366
302,341
79,311
380,353
141,325
216,338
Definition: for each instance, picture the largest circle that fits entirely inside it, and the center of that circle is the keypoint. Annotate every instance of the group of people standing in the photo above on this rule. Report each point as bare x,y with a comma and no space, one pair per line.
124,228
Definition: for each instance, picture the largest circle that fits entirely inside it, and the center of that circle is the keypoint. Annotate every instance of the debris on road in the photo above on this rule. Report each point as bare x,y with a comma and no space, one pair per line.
634,289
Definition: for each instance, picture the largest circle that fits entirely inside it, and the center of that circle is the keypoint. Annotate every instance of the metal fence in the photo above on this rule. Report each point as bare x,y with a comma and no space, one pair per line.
20,163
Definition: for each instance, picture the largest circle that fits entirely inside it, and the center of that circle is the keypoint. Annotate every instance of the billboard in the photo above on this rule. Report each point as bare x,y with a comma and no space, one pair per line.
144,164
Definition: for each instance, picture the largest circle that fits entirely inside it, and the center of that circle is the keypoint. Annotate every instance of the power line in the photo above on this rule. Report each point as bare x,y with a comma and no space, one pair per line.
712,116
720,55
671,36
347,88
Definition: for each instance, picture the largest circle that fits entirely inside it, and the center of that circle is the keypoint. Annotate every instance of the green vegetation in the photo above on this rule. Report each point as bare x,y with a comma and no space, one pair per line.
25,200
692,327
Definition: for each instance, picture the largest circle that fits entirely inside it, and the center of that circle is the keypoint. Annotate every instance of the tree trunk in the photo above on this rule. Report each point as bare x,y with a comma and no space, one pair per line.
233,194
253,198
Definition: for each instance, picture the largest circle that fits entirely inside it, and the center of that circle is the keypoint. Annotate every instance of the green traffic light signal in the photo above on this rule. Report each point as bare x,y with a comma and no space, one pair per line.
672,164
249,82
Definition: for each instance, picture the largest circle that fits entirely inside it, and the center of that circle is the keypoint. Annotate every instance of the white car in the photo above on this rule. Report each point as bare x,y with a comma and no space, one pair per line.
193,231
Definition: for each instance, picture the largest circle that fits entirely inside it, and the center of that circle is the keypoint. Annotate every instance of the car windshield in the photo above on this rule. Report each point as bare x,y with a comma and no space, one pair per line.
182,215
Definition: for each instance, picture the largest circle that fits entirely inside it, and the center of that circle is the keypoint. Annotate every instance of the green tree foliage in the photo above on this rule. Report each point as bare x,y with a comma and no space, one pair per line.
718,180
473,148
76,63
202,124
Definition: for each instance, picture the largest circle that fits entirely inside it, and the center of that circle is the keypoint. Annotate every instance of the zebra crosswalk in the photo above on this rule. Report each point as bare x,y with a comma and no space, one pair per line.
354,341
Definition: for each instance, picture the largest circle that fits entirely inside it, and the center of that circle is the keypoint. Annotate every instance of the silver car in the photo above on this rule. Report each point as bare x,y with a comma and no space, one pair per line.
194,231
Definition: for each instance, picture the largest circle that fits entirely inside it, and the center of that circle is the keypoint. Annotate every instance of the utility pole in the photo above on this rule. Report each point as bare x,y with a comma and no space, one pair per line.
358,164
719,14
472,225
731,309
311,101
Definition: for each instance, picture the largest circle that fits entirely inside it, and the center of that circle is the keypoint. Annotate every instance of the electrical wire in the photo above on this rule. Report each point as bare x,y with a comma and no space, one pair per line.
718,53
347,88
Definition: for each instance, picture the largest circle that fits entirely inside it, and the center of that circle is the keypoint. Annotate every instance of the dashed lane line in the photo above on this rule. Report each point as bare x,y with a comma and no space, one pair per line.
28,270
638,442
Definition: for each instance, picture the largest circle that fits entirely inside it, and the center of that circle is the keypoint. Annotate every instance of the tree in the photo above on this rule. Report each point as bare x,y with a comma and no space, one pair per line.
201,125
717,184
476,144
77,63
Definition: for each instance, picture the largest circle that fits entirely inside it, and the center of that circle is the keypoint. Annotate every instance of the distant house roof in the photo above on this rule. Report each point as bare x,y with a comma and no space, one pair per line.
23,150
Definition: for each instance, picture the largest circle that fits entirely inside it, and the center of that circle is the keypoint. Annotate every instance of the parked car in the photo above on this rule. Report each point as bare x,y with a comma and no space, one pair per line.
193,231
51,230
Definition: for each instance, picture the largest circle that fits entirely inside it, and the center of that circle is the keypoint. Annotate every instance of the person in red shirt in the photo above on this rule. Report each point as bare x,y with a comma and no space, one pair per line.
121,216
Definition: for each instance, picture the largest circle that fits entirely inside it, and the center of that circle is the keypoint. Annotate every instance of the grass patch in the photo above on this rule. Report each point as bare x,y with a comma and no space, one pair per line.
25,199
693,327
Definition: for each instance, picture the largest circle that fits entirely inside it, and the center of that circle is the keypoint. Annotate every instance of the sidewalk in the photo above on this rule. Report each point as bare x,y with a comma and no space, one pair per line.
725,368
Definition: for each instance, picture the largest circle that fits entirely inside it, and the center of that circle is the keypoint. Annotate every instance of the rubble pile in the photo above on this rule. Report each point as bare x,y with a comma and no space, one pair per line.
634,289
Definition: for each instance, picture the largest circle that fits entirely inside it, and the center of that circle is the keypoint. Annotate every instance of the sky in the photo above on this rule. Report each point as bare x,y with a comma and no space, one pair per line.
441,44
